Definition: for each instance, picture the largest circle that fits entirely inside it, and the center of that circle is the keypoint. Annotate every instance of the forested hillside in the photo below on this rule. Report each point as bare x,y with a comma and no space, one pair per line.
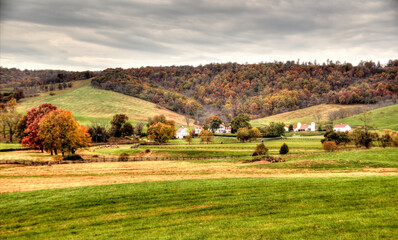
258,89
26,83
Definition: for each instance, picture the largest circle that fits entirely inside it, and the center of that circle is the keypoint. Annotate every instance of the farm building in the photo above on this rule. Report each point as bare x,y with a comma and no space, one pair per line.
182,132
287,128
223,129
305,127
198,130
341,128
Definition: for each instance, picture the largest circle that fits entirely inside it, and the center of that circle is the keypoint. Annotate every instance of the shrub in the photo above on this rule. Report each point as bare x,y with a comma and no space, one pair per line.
73,157
284,149
363,137
147,150
385,140
254,133
261,149
329,146
243,134
123,157
394,137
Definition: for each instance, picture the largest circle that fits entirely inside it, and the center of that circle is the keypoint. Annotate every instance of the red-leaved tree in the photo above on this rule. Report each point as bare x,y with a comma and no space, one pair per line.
34,116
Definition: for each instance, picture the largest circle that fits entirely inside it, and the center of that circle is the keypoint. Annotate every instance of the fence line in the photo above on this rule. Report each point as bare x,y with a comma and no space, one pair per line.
116,159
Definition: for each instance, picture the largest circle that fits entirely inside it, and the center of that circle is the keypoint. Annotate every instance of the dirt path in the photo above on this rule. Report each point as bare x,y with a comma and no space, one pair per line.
14,178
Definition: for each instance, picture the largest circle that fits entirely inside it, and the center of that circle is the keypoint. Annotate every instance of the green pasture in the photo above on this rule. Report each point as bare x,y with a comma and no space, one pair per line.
4,146
342,160
305,134
381,118
197,140
196,149
257,208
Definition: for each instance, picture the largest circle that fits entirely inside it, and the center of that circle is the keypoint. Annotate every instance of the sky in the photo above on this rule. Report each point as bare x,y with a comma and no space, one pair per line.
98,34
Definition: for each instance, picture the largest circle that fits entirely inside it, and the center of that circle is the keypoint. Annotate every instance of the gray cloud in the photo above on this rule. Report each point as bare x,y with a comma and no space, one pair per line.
96,33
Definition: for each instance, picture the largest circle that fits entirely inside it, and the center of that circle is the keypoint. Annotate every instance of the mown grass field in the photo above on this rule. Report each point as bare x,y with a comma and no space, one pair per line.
233,148
381,118
343,160
304,115
257,208
87,104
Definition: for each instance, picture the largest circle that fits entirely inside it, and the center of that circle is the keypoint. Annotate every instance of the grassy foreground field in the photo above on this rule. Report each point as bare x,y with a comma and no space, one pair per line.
381,118
304,115
311,208
87,104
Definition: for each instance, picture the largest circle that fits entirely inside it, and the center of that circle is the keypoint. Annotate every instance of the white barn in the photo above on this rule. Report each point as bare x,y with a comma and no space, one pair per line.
223,129
198,130
305,127
182,132
341,128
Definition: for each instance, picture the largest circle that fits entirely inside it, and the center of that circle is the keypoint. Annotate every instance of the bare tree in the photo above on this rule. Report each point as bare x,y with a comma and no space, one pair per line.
139,128
187,119
317,116
333,115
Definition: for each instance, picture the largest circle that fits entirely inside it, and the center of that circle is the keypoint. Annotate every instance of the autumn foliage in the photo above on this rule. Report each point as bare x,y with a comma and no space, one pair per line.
61,132
258,89
53,130
206,136
33,118
329,146
160,132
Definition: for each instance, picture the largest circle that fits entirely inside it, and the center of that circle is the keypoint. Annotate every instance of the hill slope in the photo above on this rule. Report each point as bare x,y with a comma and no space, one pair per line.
381,118
304,115
87,103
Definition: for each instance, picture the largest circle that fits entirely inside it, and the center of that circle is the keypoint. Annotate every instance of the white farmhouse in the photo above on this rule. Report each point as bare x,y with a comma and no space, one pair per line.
305,127
182,132
223,129
341,128
198,130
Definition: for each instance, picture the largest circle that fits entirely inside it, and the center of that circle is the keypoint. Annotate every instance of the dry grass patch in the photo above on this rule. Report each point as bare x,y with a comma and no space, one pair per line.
16,178
305,114
27,155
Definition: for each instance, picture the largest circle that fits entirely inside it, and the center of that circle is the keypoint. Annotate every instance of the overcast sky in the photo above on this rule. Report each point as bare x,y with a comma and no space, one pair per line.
97,34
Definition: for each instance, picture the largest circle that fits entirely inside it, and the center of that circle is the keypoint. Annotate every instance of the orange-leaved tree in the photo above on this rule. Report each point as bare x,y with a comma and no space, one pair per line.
60,132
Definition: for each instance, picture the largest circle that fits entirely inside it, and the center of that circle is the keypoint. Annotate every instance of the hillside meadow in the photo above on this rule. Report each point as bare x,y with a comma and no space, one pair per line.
89,104
381,118
305,115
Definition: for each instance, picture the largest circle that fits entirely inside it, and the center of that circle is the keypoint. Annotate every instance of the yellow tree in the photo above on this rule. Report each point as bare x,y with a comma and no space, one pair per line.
61,132
206,136
255,133
10,118
160,132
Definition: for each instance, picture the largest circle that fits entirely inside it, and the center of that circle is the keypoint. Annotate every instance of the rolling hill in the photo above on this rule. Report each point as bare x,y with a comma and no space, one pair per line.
381,118
304,115
87,104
